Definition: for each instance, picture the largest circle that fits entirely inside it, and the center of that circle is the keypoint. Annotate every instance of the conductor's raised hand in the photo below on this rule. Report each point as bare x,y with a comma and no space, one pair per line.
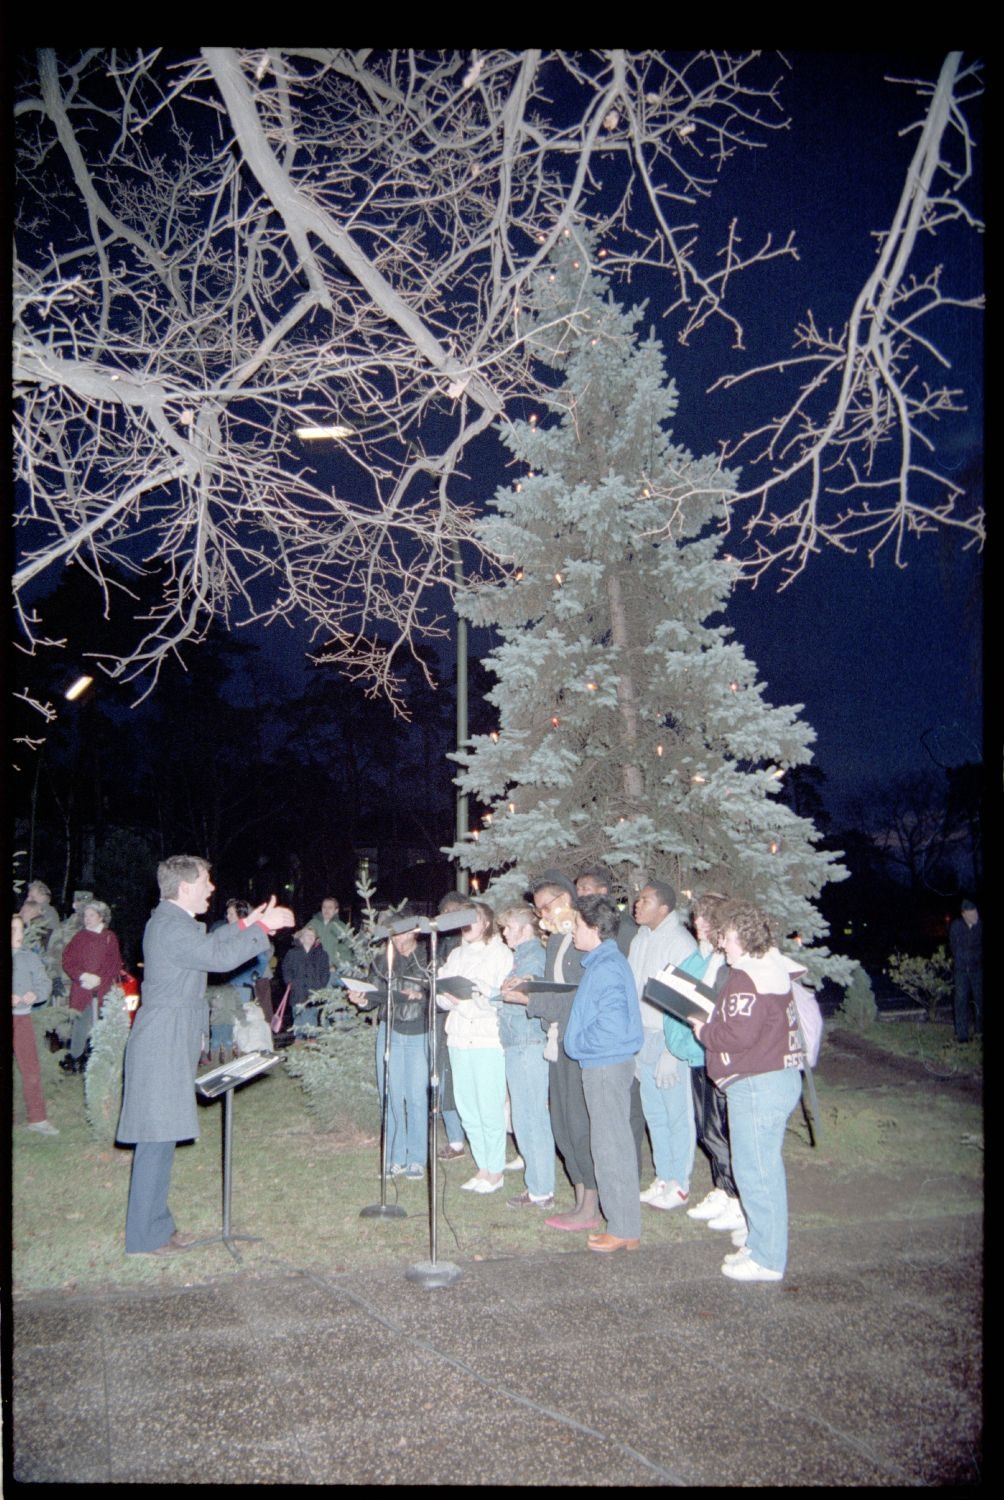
271,916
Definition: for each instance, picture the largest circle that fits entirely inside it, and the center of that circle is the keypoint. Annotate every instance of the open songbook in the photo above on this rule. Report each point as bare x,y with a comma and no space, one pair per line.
546,987
456,987
680,995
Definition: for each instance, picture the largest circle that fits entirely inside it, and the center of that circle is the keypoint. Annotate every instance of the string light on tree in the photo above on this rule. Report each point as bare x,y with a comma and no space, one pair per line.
625,524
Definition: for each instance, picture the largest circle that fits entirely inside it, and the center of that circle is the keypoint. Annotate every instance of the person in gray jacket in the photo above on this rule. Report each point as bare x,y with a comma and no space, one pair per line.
162,1054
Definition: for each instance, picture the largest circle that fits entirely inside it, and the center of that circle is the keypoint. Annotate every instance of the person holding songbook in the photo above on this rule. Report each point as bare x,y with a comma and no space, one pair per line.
408,1083
467,989
526,1069
753,1053
720,1209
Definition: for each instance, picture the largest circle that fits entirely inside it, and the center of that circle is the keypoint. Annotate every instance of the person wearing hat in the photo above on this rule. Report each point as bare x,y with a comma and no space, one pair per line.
965,937
66,930
666,1099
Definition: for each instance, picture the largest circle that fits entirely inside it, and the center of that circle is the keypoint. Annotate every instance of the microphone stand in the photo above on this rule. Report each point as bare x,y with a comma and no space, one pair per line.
432,1273
383,1209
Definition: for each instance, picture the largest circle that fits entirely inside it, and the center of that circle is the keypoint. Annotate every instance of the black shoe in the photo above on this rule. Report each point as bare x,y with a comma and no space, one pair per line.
55,1041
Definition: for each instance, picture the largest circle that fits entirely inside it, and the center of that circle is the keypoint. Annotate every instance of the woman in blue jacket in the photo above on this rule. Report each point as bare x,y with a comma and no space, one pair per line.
604,1033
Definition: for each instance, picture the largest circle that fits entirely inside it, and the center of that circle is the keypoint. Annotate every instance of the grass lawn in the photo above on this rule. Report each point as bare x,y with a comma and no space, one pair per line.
301,1189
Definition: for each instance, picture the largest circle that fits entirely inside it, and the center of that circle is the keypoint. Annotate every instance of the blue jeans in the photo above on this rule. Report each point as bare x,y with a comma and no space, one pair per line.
526,1073
758,1114
669,1114
408,1102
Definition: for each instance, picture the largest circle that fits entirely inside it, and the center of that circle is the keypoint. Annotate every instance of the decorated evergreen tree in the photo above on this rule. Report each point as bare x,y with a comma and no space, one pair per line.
631,729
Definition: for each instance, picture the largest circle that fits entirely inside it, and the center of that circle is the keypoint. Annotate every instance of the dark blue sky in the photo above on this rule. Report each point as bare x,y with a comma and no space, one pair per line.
887,661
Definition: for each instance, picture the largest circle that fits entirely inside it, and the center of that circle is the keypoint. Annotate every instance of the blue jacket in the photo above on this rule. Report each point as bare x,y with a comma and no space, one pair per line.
605,1024
516,1028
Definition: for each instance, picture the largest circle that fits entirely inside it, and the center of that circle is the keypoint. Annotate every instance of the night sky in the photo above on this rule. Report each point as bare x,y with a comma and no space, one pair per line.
886,660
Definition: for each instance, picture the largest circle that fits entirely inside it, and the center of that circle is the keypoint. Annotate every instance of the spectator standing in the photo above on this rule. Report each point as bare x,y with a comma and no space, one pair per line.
965,937
30,986
93,963
335,937
305,969
40,917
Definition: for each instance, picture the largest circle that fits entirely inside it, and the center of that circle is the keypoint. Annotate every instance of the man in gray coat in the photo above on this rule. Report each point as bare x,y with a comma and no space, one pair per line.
162,1054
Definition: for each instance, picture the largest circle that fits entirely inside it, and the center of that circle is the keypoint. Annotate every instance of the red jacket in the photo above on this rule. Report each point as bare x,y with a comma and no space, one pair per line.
91,953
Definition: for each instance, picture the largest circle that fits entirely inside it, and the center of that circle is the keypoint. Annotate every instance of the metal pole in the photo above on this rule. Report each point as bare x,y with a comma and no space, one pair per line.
463,879
432,1274
383,1209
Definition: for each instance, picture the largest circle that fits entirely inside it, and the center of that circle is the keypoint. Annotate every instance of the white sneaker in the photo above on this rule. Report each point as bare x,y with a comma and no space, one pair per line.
43,1127
655,1191
748,1270
516,1165
482,1185
709,1207
472,1185
739,1236
737,1255
672,1196
731,1216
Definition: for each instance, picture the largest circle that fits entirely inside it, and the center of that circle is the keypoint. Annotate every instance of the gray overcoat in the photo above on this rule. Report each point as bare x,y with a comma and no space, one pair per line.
162,1054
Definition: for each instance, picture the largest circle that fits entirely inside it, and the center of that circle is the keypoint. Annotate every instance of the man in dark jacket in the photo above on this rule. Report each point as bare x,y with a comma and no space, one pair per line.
162,1054
965,937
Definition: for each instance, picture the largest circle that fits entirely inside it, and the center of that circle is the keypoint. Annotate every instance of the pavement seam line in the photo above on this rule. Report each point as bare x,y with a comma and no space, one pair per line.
493,1386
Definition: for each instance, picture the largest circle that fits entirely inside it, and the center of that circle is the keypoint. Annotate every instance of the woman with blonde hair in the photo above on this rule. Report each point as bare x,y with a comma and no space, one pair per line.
526,1069
477,1060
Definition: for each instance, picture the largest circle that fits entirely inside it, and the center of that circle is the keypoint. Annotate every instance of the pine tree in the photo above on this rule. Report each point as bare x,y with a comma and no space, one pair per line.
632,730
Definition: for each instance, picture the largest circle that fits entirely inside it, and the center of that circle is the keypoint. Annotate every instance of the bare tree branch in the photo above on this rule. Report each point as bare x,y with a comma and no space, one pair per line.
846,458
214,251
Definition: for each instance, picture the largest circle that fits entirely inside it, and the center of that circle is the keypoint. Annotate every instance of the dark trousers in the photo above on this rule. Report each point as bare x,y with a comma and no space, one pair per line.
712,1120
149,1223
570,1119
968,987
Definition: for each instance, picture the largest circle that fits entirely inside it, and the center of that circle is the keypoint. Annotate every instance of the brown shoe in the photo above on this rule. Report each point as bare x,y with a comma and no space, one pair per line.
451,1153
608,1242
180,1240
526,1200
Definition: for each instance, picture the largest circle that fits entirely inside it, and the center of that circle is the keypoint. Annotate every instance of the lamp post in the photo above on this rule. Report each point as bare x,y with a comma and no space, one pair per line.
463,881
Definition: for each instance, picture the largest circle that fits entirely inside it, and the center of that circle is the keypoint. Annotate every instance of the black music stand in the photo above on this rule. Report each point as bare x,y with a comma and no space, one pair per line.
383,1209
211,1085
433,1273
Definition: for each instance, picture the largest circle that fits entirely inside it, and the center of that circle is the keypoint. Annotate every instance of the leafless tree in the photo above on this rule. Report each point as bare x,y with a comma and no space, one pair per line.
217,251
853,457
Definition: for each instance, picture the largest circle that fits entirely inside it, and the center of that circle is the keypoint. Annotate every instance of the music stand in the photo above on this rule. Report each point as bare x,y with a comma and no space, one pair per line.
383,1209
211,1085
433,1273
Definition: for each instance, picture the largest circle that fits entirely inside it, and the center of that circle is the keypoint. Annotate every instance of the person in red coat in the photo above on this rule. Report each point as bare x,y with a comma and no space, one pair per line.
94,963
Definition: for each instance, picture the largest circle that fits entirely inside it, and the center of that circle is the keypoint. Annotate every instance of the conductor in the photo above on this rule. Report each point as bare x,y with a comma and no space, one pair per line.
162,1054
